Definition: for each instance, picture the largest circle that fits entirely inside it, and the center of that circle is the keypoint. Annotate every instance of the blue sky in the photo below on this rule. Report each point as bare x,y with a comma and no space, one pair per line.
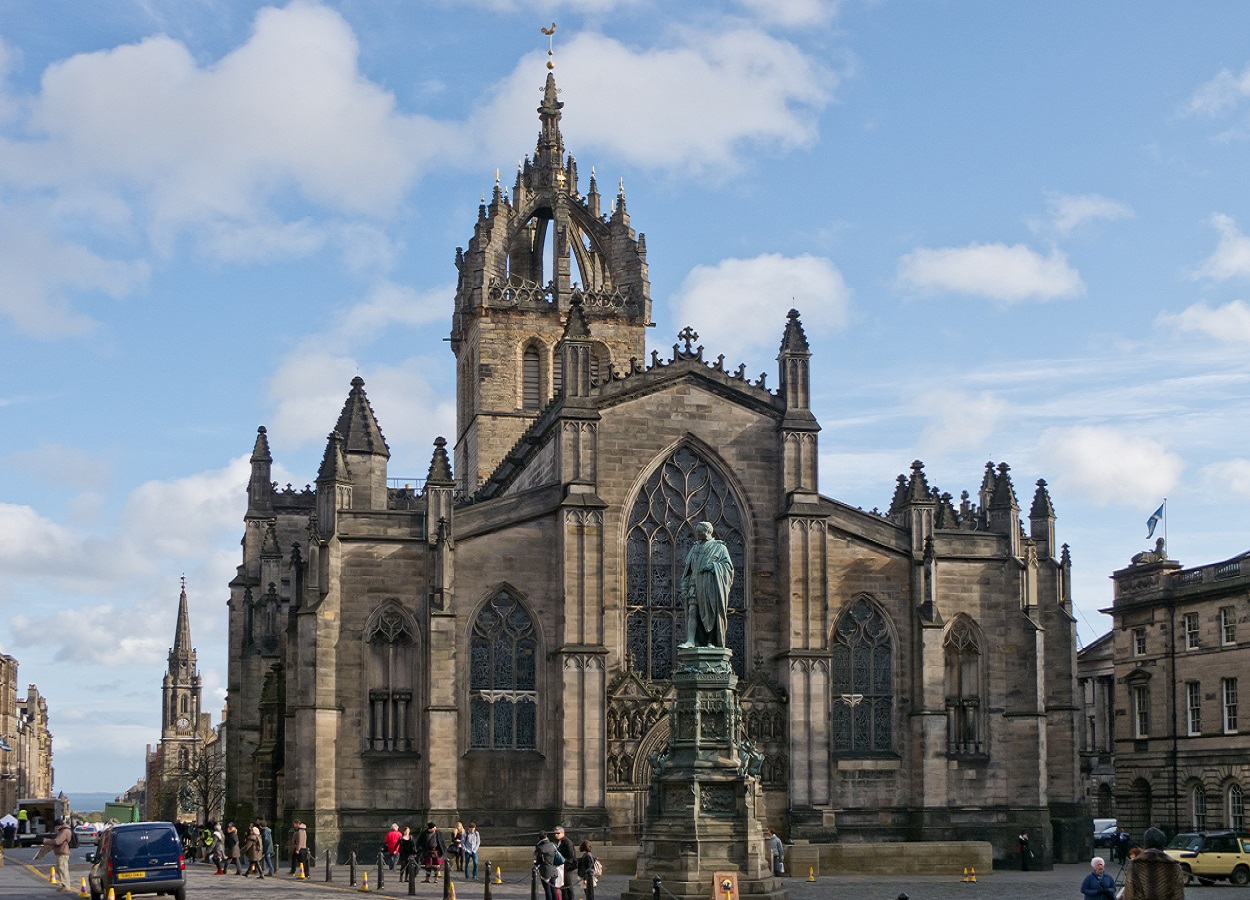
1015,232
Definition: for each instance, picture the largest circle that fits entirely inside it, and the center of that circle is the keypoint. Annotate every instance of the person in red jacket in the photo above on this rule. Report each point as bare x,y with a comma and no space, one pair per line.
390,844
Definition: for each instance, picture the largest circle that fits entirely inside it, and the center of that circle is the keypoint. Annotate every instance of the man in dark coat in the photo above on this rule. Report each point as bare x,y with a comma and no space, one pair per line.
430,848
1154,875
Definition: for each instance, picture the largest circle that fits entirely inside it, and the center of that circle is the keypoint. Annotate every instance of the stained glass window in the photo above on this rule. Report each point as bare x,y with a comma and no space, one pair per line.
503,679
680,494
963,688
863,681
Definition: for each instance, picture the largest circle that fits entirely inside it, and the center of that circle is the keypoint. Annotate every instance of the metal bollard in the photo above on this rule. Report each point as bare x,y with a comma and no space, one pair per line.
380,870
351,869
327,867
655,887
412,877
486,883
534,883
446,879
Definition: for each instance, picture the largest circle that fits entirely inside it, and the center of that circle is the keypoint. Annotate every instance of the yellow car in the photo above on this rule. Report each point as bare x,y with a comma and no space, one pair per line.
1211,855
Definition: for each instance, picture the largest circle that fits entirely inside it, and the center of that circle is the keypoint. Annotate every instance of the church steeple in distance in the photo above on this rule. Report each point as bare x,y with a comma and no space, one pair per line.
180,711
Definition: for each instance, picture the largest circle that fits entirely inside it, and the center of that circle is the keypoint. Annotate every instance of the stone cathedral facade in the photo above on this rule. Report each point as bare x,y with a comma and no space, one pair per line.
497,644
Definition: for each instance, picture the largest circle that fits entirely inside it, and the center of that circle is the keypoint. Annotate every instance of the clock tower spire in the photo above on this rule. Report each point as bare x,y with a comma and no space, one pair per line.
180,709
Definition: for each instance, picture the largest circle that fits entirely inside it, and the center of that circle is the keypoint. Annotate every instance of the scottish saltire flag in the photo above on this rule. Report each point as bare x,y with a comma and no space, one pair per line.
1153,522
4,745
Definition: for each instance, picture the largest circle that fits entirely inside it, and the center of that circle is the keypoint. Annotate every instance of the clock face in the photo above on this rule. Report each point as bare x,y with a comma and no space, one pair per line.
183,722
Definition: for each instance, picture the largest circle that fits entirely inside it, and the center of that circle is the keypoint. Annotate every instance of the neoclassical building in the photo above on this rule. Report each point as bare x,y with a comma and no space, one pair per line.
496,644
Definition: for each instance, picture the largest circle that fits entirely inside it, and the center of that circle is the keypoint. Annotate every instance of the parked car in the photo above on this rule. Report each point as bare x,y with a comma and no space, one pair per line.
1107,837
138,858
88,832
1212,855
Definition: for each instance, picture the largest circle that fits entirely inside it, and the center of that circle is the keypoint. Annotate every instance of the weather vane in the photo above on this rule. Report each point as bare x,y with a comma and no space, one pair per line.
551,41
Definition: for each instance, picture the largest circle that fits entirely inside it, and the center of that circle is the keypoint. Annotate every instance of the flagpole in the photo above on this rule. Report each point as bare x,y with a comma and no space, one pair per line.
1165,524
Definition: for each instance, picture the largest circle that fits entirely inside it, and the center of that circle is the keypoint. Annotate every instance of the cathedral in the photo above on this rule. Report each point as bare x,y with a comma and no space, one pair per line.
497,644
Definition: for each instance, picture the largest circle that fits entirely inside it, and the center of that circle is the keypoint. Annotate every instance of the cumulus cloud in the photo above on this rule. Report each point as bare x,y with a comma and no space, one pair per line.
1109,465
1229,324
99,635
691,106
1231,258
740,305
1220,94
180,517
996,271
1229,476
793,13
1069,212
388,305
960,420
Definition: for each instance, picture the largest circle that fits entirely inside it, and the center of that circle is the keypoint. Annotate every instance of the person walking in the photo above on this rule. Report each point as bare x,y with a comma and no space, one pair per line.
588,867
777,852
252,849
550,866
569,868
59,845
219,848
430,846
299,848
1022,845
456,848
232,848
1098,885
472,843
267,854
407,850
1152,874
390,845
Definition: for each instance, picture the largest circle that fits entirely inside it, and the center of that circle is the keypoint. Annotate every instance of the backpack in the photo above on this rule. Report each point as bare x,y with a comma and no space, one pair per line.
598,871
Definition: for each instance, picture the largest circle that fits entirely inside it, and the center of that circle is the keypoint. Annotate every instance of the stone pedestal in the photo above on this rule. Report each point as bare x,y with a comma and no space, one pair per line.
705,812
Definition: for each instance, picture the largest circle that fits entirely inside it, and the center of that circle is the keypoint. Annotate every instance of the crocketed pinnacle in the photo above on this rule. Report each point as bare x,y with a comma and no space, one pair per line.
1042,507
440,465
333,463
1004,492
576,328
794,340
918,485
260,452
359,426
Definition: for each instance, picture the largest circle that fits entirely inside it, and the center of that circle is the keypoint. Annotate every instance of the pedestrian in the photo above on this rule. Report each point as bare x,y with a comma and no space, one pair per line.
219,848
430,846
206,841
1124,843
1098,885
252,848
550,865
390,845
472,843
569,870
1152,874
299,848
407,850
232,848
267,854
457,846
777,852
1022,844
59,845
588,867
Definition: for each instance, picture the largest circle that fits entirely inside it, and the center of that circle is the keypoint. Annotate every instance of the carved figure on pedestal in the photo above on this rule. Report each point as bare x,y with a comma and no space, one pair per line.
706,578
1159,554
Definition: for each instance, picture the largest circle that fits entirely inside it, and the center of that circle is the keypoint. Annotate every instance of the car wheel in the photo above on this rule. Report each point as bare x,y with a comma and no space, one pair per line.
1241,875
180,894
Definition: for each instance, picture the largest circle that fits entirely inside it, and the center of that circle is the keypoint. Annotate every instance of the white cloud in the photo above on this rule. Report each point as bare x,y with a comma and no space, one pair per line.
96,635
178,519
1220,94
960,420
1230,476
793,13
1231,258
389,304
1229,324
57,465
740,305
693,106
997,271
1070,211
31,543
1108,465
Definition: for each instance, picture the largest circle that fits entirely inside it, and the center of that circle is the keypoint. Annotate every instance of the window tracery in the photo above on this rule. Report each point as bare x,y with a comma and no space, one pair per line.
503,677
863,681
963,688
391,650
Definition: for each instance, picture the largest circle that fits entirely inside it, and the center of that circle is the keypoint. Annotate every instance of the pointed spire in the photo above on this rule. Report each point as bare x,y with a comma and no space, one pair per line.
440,465
333,463
182,631
918,485
1042,507
1004,492
550,149
576,328
260,451
899,500
794,340
270,546
358,426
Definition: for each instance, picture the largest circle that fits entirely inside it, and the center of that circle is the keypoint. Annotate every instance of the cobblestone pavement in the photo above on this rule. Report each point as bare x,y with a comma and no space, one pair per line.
20,879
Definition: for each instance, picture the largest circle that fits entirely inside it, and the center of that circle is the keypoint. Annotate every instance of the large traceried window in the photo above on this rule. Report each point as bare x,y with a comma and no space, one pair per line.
863,681
680,494
503,677
390,642
963,688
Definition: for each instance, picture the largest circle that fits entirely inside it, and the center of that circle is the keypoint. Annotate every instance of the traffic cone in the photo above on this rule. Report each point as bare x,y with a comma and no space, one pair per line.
364,883
811,873
82,890
301,872
52,876
111,895
965,878
972,875
498,879
451,887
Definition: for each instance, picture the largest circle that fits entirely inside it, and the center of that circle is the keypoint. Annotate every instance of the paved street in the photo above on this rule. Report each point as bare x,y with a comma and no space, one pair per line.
19,879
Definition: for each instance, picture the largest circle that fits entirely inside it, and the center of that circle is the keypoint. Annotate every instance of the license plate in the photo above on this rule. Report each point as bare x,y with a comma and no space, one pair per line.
122,876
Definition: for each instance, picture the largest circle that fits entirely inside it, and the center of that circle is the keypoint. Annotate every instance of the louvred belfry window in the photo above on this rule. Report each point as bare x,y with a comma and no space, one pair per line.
503,677
680,494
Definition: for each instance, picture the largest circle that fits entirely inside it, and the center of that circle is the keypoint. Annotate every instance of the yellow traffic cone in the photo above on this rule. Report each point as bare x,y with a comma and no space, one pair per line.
451,888
498,879
128,897
301,872
972,875
82,890
52,876
965,878
364,883
112,896
811,873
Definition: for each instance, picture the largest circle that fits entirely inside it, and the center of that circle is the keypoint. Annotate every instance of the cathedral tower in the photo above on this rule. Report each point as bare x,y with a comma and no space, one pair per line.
532,256
180,695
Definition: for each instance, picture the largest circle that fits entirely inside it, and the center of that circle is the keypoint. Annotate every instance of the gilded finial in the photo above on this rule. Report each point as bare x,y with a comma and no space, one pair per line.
496,178
550,32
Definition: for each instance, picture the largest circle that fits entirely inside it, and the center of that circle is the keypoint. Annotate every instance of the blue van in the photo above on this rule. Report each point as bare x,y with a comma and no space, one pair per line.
139,857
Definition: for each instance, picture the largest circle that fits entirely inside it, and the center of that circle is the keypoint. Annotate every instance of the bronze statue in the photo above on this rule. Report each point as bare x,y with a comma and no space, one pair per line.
706,579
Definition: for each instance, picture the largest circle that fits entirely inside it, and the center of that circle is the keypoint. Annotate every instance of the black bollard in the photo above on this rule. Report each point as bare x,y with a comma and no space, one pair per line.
903,897
378,886
486,883
412,877
351,869
534,883
327,867
655,888
446,879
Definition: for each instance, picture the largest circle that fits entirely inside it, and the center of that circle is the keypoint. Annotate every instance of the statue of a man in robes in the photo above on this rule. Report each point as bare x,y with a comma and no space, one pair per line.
706,579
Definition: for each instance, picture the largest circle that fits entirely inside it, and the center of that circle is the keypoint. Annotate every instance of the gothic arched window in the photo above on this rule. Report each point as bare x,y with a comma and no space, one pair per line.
1198,806
531,378
680,494
963,688
1236,806
391,657
503,677
863,681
